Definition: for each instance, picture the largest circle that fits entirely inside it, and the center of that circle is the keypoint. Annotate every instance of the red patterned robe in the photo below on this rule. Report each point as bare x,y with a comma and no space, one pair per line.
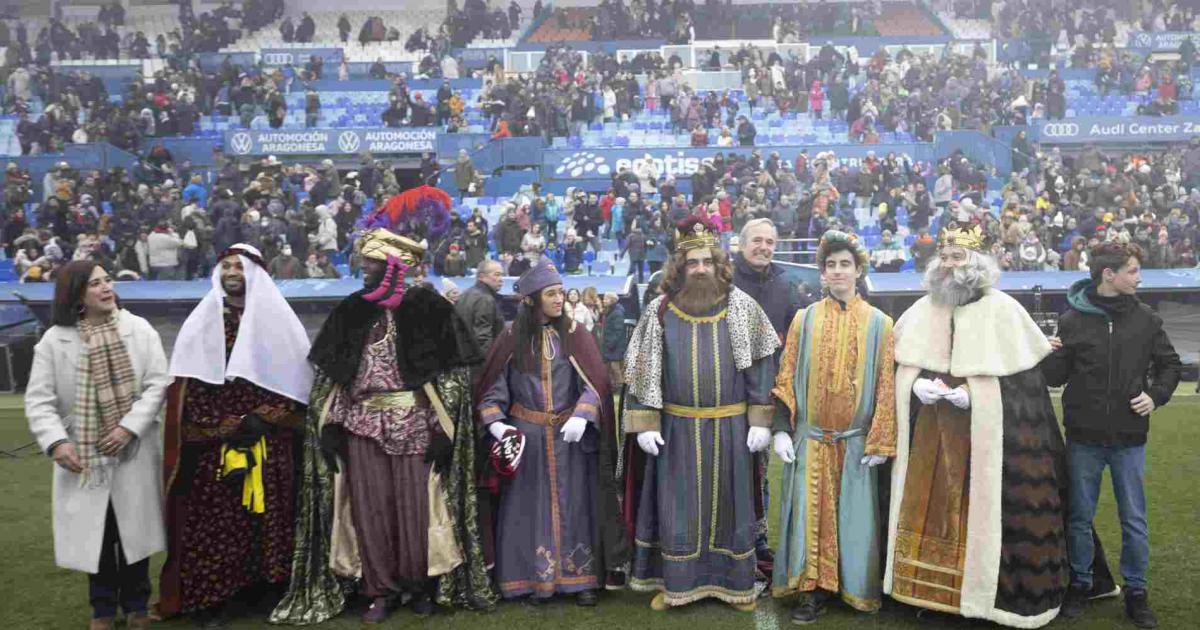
216,547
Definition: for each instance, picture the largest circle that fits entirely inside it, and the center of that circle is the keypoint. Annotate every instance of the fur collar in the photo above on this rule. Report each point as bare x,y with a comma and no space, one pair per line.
430,337
993,336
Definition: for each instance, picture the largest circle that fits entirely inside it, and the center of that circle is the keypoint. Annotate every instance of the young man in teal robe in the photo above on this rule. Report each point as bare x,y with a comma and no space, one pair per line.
835,421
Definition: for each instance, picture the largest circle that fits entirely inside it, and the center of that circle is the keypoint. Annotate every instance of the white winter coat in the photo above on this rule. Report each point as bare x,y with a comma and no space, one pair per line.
135,490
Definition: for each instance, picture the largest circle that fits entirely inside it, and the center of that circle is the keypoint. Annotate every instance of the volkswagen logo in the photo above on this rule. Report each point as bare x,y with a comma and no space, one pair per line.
348,141
1140,40
241,143
1060,130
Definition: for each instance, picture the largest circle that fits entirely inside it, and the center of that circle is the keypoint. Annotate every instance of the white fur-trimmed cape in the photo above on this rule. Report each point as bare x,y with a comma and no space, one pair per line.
992,337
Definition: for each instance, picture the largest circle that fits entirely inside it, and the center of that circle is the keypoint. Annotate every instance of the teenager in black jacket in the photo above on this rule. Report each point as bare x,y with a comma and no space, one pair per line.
1119,366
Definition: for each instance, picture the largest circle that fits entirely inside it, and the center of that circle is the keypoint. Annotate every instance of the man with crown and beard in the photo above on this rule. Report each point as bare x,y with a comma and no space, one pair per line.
699,369
978,510
557,523
387,490
241,383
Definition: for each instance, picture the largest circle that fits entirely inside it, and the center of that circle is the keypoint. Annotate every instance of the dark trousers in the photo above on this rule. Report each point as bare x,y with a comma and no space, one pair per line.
636,268
117,583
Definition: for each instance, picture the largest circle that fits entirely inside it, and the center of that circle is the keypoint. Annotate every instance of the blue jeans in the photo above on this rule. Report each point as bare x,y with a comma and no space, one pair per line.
1127,466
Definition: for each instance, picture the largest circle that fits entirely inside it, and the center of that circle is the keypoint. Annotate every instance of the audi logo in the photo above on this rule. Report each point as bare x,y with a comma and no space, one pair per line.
1060,130
277,59
348,142
241,143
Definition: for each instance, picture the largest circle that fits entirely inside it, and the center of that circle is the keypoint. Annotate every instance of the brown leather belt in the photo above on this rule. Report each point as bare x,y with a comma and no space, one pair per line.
521,412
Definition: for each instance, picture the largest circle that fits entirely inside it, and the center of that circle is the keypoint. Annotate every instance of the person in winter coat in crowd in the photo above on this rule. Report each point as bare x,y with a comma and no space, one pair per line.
635,248
285,266
325,238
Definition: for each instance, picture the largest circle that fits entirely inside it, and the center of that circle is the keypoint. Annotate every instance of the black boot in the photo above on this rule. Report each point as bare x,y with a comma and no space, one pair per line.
811,606
1137,606
1076,602
422,600
586,598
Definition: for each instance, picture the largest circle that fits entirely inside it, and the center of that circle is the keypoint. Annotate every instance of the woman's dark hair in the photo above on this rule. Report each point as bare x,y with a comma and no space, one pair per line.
69,286
527,330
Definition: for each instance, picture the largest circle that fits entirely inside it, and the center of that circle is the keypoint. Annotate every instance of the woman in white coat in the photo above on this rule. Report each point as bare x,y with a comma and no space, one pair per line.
98,382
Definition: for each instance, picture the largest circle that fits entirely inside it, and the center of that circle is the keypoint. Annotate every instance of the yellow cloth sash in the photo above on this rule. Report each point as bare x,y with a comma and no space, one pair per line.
724,411
234,460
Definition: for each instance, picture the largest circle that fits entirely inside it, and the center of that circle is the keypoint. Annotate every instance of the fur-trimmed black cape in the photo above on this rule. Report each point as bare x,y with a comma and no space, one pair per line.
430,337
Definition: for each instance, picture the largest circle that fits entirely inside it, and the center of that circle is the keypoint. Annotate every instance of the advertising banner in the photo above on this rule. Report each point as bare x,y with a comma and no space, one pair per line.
1170,40
600,163
330,141
1112,129
299,55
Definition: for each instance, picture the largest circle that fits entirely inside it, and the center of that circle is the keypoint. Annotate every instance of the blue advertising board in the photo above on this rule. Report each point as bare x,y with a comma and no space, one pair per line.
592,164
299,55
330,141
1112,129
1169,40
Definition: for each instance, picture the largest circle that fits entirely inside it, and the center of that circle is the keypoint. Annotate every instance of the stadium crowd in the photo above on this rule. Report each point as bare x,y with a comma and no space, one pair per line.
1051,208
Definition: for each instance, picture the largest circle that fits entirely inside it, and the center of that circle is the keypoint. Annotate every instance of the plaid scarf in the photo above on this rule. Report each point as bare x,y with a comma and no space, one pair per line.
104,390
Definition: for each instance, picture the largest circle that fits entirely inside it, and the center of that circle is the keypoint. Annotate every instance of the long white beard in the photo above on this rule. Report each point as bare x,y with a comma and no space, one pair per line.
959,285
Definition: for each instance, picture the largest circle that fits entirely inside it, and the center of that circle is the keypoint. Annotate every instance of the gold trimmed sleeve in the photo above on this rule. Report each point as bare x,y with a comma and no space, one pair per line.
784,391
638,420
881,439
761,415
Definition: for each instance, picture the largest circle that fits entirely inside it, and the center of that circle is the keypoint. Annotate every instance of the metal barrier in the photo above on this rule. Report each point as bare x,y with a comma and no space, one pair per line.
801,251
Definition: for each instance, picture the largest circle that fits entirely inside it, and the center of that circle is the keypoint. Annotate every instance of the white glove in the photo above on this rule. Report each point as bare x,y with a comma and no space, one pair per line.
573,429
927,391
959,398
784,447
650,441
758,438
873,460
498,429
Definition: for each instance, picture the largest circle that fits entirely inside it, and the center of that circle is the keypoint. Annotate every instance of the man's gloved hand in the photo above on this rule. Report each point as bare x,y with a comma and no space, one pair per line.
650,441
958,397
498,429
758,438
873,460
573,429
784,447
927,391
250,429
333,443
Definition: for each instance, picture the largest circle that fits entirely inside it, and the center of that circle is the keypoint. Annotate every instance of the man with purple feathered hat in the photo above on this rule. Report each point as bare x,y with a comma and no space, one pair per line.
387,481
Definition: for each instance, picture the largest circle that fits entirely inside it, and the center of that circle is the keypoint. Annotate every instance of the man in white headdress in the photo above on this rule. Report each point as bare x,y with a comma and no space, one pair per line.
242,381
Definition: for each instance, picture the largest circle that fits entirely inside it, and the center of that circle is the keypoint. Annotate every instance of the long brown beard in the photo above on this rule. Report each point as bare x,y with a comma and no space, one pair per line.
700,295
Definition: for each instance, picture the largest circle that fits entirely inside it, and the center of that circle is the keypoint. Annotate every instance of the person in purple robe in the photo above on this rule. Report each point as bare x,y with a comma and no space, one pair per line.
556,517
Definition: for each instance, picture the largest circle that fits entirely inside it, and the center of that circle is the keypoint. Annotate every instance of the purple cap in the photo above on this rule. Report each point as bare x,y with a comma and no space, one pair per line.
541,275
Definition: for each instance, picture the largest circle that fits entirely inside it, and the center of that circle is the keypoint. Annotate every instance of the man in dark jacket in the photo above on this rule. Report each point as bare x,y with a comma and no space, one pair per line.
613,341
746,132
1118,366
479,306
756,274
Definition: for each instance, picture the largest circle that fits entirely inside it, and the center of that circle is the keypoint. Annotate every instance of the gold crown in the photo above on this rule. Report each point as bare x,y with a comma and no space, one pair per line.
972,238
380,243
695,236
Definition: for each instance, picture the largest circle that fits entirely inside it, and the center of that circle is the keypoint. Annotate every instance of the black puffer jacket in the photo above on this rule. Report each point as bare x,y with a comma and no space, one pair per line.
1113,349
